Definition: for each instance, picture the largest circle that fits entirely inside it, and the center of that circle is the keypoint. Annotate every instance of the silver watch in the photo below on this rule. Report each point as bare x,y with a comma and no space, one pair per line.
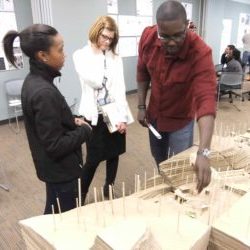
204,152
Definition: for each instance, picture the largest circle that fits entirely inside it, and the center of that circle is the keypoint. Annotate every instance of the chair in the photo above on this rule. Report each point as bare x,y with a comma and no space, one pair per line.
228,83
218,68
13,89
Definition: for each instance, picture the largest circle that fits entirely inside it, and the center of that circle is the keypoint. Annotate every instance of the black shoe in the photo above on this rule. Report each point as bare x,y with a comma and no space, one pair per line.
106,192
83,198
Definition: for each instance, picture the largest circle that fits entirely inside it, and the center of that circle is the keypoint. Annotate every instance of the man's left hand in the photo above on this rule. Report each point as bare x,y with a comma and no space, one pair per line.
203,172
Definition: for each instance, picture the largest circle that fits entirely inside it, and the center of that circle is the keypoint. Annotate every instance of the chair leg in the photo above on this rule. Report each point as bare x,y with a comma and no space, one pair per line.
236,95
242,96
3,186
17,124
230,97
16,129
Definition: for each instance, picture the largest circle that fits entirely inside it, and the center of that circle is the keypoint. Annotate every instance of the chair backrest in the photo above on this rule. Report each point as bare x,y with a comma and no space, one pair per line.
218,67
13,87
231,78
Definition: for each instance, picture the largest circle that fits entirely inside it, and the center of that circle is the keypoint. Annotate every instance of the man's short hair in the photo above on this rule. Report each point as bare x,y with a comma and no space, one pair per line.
170,11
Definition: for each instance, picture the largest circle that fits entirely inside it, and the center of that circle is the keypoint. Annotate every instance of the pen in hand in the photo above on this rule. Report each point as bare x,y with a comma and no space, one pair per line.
154,131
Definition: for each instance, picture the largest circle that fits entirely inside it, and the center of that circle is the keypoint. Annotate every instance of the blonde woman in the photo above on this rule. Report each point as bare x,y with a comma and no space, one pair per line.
100,71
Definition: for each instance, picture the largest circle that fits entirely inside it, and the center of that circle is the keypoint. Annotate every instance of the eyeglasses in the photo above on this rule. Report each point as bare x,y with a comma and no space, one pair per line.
175,38
107,38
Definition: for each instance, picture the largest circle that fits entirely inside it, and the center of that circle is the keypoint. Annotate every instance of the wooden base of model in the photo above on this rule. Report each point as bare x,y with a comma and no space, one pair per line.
127,223
164,212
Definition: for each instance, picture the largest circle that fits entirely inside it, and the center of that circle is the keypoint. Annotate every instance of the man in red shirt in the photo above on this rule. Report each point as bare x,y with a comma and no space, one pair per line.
179,66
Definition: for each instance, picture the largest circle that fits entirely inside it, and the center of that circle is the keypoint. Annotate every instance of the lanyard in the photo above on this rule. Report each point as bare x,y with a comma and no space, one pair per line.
104,100
105,63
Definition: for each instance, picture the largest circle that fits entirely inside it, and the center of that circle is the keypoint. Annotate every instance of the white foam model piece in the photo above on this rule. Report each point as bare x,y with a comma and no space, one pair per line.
120,236
161,224
232,229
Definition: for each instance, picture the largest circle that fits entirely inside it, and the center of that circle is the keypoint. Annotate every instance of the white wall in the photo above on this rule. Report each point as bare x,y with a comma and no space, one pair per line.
73,19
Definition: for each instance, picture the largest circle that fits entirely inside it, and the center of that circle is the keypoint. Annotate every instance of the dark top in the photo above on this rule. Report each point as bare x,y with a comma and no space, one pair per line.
223,59
54,139
181,87
104,145
233,66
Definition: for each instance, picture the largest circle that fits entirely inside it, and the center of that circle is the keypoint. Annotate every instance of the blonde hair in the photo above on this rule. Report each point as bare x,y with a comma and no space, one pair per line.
104,22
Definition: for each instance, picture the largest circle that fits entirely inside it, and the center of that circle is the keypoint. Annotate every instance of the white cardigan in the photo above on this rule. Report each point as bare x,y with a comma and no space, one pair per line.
89,64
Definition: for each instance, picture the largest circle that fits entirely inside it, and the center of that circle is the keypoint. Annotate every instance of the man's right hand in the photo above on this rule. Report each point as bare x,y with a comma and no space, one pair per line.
141,117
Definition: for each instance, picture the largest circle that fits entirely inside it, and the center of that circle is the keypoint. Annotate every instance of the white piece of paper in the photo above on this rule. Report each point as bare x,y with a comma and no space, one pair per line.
143,22
111,116
112,6
188,7
7,23
128,25
144,7
244,26
127,46
6,5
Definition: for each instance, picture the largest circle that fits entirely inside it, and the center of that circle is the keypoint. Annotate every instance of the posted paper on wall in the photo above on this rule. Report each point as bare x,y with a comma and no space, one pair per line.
127,46
128,25
188,7
7,23
144,7
112,6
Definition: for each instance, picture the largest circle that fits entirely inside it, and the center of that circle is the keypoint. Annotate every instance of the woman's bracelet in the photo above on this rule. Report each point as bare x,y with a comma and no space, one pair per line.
143,106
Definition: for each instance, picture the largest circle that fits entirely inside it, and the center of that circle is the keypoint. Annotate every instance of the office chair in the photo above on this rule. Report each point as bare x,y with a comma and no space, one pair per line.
218,68
13,89
228,83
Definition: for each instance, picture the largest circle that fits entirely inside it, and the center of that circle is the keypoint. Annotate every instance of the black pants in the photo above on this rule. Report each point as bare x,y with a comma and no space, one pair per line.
66,192
89,172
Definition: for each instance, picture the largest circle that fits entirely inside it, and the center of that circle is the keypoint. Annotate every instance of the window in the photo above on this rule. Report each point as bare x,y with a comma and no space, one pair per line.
8,22
225,35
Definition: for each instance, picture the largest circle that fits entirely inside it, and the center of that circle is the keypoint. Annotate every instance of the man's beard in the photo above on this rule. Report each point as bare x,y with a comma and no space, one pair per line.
172,50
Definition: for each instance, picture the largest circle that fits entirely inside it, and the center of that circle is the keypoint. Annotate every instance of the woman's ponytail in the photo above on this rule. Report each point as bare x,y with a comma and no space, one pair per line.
37,37
8,42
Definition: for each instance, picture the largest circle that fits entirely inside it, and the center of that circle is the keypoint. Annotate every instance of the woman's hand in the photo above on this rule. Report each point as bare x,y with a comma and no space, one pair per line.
80,122
122,127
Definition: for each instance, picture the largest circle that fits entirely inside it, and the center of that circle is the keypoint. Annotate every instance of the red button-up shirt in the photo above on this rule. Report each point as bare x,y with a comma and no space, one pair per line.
181,87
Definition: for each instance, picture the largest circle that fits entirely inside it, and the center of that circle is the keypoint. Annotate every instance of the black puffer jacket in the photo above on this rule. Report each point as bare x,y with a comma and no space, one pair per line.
54,139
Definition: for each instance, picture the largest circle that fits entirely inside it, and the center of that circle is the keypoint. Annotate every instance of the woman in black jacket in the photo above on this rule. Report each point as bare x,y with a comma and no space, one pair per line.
54,135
